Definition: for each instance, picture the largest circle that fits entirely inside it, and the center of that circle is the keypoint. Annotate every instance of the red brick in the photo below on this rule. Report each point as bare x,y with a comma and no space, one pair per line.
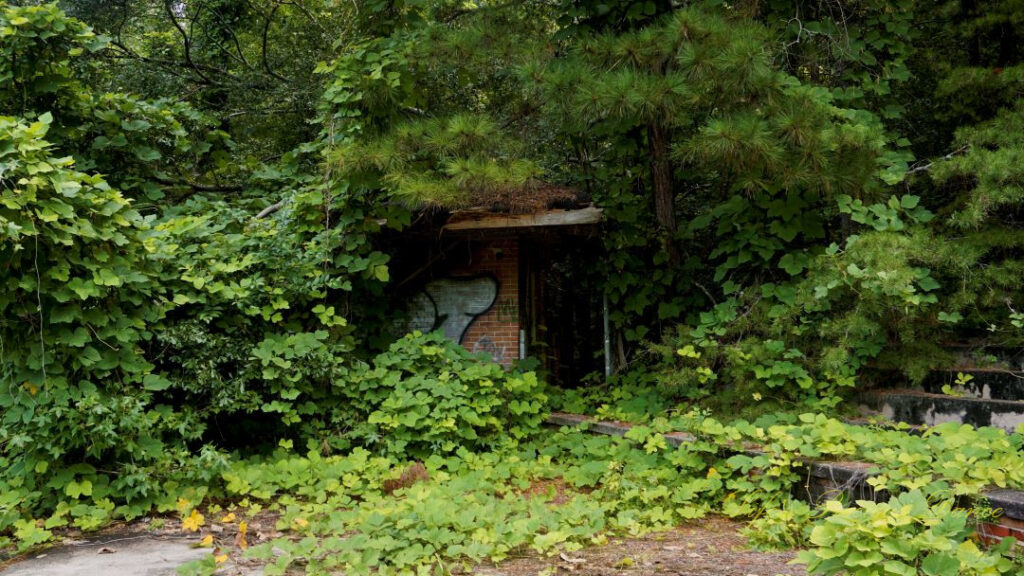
989,530
495,324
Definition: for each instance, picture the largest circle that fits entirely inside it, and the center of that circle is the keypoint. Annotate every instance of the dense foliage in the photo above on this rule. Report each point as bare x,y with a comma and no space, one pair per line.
193,272
568,490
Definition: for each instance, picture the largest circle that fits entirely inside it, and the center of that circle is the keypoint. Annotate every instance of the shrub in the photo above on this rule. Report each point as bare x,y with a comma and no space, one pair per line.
906,535
781,528
76,298
426,395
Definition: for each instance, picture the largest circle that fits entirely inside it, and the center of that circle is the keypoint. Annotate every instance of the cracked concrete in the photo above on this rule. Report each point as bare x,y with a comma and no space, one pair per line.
130,555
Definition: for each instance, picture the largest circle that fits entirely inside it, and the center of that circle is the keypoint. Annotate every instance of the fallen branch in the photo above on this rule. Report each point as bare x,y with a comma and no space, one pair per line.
270,209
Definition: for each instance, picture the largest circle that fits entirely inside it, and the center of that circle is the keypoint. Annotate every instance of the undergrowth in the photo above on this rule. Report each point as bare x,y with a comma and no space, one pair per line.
570,489
437,461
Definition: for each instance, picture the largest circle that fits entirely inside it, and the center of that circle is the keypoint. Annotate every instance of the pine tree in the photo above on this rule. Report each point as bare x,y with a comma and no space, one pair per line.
711,113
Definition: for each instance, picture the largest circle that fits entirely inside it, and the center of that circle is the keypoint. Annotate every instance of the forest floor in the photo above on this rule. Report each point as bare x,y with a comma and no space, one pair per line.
710,547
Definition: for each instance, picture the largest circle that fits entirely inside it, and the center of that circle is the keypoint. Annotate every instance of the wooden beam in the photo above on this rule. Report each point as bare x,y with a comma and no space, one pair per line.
479,219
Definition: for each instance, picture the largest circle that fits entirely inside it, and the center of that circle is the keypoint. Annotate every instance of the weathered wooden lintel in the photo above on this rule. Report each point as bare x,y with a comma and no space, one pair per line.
479,219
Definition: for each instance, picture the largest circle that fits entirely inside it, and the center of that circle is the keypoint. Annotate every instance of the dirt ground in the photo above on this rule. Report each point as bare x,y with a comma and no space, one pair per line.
712,547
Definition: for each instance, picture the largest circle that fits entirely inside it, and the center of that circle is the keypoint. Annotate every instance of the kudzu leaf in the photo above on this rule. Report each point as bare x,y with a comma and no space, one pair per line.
940,564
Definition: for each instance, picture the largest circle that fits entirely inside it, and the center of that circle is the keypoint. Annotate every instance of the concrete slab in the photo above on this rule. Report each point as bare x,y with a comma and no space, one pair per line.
987,384
1010,502
138,555
916,407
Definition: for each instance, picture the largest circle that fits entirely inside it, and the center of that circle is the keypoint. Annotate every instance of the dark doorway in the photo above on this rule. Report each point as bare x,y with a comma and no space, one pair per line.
562,306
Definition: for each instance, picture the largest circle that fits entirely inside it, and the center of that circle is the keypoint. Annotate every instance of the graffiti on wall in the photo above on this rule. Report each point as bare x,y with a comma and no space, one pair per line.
452,304
488,346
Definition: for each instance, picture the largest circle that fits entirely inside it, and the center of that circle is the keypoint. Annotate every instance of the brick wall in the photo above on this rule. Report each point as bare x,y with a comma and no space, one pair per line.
1000,528
497,330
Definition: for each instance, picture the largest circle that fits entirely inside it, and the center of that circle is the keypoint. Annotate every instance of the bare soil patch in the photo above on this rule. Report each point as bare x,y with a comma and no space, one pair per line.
711,547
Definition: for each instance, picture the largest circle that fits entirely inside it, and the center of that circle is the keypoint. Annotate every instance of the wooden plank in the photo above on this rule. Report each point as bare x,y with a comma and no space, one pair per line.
479,220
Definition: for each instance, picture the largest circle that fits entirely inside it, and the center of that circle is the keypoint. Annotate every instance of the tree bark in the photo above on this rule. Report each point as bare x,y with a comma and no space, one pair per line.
664,195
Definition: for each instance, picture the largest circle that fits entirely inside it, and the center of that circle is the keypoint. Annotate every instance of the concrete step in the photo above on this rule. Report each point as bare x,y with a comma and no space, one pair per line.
985,383
923,408
831,480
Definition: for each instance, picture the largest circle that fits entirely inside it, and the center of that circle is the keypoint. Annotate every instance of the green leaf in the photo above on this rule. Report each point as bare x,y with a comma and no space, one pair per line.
908,202
147,154
638,433
155,382
928,284
78,338
106,277
940,564
83,288
793,263
135,125
77,489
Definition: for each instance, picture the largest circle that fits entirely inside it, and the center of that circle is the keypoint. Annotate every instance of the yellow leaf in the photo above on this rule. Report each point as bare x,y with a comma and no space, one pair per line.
221,559
206,542
183,505
193,522
228,518
243,528
301,522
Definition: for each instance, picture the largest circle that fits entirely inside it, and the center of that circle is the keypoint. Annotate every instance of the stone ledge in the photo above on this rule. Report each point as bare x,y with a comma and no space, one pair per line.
985,383
1011,502
825,479
916,407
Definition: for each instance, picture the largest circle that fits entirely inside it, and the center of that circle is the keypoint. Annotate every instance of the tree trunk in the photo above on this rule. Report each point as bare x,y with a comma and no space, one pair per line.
664,195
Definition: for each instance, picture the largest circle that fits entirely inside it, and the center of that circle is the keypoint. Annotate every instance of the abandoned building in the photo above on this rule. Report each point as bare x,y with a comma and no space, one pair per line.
509,284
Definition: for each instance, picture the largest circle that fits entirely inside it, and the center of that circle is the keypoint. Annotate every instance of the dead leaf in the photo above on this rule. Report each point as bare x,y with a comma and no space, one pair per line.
566,558
106,550
240,540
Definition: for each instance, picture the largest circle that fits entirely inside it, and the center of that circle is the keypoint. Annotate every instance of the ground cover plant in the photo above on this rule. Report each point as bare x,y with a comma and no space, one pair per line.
196,302
571,489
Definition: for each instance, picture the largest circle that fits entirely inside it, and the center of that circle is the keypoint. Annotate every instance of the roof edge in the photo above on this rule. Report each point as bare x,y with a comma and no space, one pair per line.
484,219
